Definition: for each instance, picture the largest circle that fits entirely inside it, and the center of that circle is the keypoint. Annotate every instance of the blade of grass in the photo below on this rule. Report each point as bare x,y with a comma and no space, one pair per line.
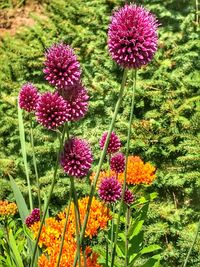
24,154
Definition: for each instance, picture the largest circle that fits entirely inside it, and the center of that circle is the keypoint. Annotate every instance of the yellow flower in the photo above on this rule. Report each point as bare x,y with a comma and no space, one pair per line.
7,209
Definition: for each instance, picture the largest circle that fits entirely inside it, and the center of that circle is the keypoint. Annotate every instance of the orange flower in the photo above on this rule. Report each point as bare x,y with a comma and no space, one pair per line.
51,234
138,172
7,209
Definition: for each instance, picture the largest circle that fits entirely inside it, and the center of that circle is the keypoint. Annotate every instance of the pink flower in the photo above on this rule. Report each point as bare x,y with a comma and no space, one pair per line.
132,36
62,68
113,145
76,98
76,158
51,110
129,198
110,190
28,97
117,162
33,217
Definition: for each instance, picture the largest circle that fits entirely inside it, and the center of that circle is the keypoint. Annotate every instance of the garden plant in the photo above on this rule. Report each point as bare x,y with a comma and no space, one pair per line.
105,218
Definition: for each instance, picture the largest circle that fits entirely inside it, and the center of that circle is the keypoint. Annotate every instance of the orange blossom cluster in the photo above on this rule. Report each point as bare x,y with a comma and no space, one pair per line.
138,172
7,208
51,234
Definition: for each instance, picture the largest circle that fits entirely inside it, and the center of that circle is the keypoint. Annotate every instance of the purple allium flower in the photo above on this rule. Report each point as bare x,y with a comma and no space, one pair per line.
51,110
62,67
113,145
110,190
129,198
76,158
132,36
76,98
28,97
33,217
117,162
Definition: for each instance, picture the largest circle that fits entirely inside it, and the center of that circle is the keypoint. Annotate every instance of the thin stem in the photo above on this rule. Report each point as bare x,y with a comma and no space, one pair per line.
49,197
77,219
103,153
35,164
112,226
107,242
64,230
127,223
126,166
194,241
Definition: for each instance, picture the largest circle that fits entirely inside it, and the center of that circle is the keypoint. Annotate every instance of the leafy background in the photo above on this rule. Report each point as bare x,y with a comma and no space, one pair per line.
166,118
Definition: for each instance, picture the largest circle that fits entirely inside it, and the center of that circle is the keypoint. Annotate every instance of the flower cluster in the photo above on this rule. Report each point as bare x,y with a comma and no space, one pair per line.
110,190
69,101
7,208
117,162
28,97
138,172
33,217
132,36
76,98
51,234
51,110
129,198
114,143
76,158
61,66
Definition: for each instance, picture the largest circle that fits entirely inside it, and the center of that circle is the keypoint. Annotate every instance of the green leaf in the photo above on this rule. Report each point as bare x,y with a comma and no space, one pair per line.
13,246
149,249
24,155
153,262
135,228
135,244
21,204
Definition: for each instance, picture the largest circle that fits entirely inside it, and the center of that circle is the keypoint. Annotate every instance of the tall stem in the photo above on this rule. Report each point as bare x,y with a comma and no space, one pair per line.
194,241
93,186
77,219
126,166
64,230
49,197
35,164
127,223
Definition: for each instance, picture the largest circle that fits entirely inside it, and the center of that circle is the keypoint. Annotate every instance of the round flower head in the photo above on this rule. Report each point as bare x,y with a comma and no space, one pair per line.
132,36
117,162
51,110
113,145
33,217
28,97
76,158
76,98
62,68
129,198
110,190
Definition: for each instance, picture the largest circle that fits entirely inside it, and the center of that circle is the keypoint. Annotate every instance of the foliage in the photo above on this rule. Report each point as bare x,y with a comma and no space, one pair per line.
166,124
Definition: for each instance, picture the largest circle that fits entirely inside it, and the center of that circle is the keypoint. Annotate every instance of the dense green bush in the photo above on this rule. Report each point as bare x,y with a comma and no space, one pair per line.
166,124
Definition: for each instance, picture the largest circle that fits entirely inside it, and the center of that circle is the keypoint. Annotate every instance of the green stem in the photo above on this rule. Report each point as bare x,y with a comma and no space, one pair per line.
194,241
107,242
35,164
49,197
77,219
126,166
112,226
93,186
127,223
64,230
